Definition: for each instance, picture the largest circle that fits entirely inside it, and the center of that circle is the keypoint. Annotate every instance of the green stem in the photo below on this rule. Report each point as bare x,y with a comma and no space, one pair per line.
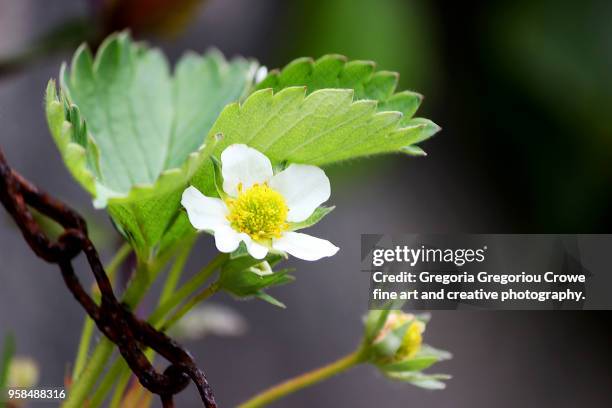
183,310
105,386
120,257
138,285
81,388
123,372
305,380
176,271
186,290
88,325
83,350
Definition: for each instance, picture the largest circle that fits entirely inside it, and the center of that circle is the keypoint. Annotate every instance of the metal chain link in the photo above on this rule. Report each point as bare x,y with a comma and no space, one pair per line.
130,334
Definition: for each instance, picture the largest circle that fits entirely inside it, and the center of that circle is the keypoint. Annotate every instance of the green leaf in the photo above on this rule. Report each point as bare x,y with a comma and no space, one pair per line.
133,135
335,71
422,380
314,218
8,351
325,127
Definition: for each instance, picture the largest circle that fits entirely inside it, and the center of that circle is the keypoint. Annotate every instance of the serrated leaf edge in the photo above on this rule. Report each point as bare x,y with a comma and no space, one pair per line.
413,125
276,74
168,178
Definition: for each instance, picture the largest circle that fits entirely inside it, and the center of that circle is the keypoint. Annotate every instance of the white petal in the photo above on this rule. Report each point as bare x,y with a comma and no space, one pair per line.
205,213
256,250
243,164
304,188
261,74
226,239
304,246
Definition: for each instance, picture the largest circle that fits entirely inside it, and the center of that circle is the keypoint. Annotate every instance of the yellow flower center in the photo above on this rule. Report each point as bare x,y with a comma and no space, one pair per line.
259,212
411,342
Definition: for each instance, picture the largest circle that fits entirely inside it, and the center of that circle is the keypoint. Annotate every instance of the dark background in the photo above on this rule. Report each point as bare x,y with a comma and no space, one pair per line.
522,92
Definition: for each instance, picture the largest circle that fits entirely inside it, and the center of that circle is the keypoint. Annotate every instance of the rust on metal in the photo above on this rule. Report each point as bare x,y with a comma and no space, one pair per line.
114,319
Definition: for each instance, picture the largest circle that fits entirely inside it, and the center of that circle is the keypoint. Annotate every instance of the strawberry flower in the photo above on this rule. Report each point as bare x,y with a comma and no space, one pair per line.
261,208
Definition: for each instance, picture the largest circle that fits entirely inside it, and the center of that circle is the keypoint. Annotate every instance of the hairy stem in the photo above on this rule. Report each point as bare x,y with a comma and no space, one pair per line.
104,387
305,380
183,310
176,271
121,370
80,389
83,350
186,290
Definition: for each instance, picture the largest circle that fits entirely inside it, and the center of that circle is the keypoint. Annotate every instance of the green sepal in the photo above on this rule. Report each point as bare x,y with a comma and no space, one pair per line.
237,279
270,299
413,364
424,358
375,321
419,379
246,283
429,351
218,177
318,214
241,260
387,346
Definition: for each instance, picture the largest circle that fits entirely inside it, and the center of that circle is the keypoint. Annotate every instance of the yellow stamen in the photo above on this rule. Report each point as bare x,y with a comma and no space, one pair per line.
259,212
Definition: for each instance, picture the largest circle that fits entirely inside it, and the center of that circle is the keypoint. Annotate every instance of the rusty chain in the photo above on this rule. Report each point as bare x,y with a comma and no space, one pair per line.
130,334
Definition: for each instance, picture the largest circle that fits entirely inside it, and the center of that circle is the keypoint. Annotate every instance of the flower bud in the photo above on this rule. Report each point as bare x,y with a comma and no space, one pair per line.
261,269
23,373
393,342
400,338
